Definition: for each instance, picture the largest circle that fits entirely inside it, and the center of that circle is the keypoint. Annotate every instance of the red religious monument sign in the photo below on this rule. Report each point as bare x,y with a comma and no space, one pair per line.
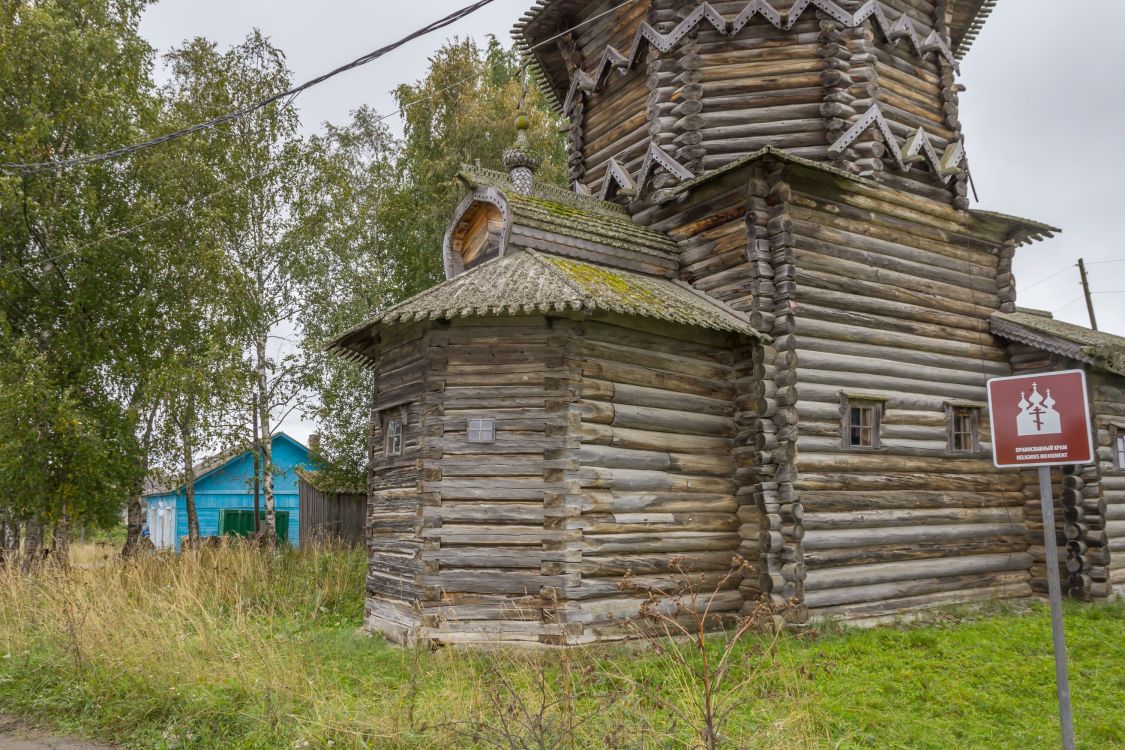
1044,420
1040,420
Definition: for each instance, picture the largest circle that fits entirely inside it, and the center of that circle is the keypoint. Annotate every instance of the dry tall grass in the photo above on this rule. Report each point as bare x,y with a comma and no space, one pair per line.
229,647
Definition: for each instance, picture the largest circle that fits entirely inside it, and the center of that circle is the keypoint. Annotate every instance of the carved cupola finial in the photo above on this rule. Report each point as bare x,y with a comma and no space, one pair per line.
520,162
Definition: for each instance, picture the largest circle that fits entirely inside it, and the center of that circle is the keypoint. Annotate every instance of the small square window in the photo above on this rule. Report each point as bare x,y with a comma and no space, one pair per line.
482,431
1119,451
392,440
861,424
964,429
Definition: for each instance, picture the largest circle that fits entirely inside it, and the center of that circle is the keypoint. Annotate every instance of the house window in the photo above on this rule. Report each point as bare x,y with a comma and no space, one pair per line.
1119,451
482,431
392,436
861,423
964,429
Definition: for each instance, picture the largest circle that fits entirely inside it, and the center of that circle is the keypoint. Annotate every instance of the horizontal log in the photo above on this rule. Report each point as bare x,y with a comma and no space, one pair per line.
841,538
866,575
916,587
877,610
898,518
612,457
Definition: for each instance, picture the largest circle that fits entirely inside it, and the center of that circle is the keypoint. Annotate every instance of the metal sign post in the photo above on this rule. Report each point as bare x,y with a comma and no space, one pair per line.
1054,592
1043,421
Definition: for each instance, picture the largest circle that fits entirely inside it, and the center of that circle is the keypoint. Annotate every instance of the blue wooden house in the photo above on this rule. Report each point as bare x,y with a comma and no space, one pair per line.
224,495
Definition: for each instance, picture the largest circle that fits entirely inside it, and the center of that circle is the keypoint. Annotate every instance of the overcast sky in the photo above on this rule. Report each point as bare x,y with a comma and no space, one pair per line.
1041,114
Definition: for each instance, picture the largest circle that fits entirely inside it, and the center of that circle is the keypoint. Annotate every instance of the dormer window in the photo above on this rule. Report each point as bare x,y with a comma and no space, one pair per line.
477,235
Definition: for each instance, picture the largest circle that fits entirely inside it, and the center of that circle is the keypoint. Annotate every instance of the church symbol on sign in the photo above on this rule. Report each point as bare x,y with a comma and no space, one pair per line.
1037,414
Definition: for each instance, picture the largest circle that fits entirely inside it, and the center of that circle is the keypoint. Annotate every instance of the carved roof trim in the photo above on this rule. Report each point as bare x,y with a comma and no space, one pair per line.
1102,350
925,41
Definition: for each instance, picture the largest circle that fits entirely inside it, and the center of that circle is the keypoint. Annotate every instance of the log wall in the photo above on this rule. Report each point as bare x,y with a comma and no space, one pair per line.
492,560
394,505
1083,494
656,415
1107,569
893,295
721,85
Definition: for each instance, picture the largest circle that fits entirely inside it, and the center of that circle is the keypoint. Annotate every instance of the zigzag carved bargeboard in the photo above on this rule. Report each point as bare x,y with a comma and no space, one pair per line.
904,27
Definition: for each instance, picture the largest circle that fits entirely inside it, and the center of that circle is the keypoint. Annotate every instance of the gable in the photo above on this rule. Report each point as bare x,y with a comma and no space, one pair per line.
237,473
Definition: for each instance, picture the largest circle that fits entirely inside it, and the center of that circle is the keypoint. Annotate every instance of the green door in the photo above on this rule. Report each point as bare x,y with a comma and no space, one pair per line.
239,522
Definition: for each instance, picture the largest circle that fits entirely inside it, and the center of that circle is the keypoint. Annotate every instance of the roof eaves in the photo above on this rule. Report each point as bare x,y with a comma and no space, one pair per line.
769,152
984,10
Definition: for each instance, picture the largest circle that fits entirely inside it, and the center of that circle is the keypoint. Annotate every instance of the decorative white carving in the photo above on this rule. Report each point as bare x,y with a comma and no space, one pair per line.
614,59
634,185
918,147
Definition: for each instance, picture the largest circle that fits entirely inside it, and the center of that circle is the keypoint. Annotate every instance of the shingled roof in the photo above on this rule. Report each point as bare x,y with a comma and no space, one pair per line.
1040,330
527,282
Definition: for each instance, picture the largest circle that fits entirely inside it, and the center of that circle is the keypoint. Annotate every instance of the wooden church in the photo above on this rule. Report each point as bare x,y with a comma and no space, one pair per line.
759,322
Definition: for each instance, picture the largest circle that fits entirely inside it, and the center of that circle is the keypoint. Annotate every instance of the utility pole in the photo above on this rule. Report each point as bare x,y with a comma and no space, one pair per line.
1086,291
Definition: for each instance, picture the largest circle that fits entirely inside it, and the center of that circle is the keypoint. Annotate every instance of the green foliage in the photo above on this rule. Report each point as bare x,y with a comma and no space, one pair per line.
234,648
76,80
67,451
376,211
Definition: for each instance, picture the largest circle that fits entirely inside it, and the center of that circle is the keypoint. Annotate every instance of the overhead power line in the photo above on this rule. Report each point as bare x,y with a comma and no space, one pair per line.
250,108
1044,281
186,205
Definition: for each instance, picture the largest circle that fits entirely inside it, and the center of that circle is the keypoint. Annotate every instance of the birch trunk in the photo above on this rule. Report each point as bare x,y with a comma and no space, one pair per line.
32,544
135,514
257,475
189,476
266,442
60,549
9,539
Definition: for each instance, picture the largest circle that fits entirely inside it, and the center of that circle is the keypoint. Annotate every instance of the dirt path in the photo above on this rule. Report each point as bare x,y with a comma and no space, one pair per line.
16,735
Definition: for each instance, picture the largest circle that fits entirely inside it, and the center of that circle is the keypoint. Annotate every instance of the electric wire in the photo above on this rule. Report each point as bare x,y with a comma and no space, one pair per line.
261,173
1044,281
250,108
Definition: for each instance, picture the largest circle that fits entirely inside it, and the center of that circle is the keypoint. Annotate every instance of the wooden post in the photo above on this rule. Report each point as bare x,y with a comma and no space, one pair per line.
1054,589
1086,291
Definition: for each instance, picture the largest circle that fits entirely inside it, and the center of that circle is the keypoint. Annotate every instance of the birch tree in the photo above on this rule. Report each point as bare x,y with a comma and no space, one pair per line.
75,79
261,159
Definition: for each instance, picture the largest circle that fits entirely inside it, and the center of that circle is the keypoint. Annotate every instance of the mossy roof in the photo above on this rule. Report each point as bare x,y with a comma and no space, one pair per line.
555,209
1040,330
527,282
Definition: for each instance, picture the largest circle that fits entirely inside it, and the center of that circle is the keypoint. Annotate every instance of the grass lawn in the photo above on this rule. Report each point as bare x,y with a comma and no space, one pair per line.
229,649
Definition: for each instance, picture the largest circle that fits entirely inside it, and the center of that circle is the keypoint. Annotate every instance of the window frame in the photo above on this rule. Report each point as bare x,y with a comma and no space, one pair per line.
485,429
1119,449
876,406
973,413
394,420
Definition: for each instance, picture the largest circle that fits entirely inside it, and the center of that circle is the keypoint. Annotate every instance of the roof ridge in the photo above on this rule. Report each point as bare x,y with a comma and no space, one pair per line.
554,269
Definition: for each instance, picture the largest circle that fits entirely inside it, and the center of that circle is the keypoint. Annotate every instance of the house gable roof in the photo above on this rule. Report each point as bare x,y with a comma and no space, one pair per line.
527,282
1040,330
212,464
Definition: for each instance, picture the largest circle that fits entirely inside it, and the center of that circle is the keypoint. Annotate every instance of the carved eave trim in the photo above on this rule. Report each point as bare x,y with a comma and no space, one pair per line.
925,41
618,181
1014,332
918,147
451,261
